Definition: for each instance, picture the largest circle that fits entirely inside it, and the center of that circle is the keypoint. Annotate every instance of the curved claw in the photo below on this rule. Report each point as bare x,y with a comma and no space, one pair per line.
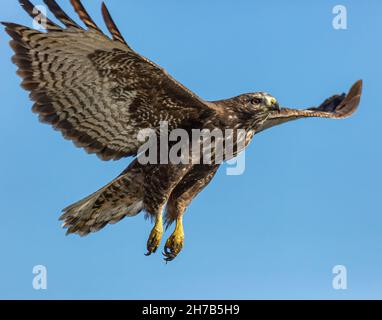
173,246
154,241
168,256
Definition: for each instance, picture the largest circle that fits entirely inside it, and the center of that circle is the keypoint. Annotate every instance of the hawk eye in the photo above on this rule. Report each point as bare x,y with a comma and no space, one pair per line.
256,100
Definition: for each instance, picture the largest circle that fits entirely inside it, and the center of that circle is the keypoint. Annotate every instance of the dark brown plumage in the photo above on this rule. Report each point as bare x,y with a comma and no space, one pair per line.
100,93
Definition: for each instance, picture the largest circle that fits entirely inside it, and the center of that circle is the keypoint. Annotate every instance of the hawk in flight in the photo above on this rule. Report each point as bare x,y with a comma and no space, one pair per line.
99,93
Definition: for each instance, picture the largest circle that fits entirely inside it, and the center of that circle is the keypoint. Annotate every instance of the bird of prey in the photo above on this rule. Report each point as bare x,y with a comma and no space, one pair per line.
99,93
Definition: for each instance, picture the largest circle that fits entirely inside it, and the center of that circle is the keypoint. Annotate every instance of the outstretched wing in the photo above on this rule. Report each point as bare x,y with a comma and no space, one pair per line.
97,91
335,107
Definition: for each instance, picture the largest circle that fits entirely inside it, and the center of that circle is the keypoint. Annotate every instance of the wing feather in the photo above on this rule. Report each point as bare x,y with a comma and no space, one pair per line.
335,107
34,12
60,14
84,16
112,27
97,91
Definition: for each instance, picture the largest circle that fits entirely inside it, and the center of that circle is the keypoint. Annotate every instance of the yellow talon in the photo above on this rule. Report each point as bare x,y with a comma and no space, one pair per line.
174,243
155,236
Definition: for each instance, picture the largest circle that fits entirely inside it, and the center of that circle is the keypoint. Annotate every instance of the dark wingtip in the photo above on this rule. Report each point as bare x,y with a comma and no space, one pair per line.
33,12
352,100
84,15
359,82
105,10
13,29
60,14
8,27
356,88
111,26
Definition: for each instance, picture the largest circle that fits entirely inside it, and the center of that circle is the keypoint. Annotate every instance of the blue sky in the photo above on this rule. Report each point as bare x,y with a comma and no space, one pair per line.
308,200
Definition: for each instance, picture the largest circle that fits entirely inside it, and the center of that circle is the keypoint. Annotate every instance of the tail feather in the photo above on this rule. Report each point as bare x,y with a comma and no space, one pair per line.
120,198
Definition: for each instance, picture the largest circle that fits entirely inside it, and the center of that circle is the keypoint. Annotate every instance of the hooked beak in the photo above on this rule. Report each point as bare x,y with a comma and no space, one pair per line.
276,107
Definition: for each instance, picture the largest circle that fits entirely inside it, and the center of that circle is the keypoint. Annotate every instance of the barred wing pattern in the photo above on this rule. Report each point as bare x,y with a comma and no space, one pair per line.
97,91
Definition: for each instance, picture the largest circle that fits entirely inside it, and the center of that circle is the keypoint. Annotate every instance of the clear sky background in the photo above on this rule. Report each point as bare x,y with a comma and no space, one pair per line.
310,197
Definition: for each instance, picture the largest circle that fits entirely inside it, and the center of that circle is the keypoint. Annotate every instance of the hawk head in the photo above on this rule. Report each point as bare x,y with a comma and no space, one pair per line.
250,110
254,104
260,101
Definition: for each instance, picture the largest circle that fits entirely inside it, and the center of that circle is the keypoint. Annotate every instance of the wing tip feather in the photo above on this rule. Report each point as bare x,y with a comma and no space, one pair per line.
112,27
34,12
352,100
356,88
60,14
84,15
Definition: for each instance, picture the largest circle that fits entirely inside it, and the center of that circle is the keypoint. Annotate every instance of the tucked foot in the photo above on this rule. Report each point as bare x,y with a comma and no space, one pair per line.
154,240
173,245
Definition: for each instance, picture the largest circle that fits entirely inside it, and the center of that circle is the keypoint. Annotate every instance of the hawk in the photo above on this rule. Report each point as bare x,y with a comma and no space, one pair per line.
99,93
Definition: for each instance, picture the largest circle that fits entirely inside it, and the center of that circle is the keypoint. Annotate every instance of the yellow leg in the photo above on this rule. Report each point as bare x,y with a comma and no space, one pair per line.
155,235
174,243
